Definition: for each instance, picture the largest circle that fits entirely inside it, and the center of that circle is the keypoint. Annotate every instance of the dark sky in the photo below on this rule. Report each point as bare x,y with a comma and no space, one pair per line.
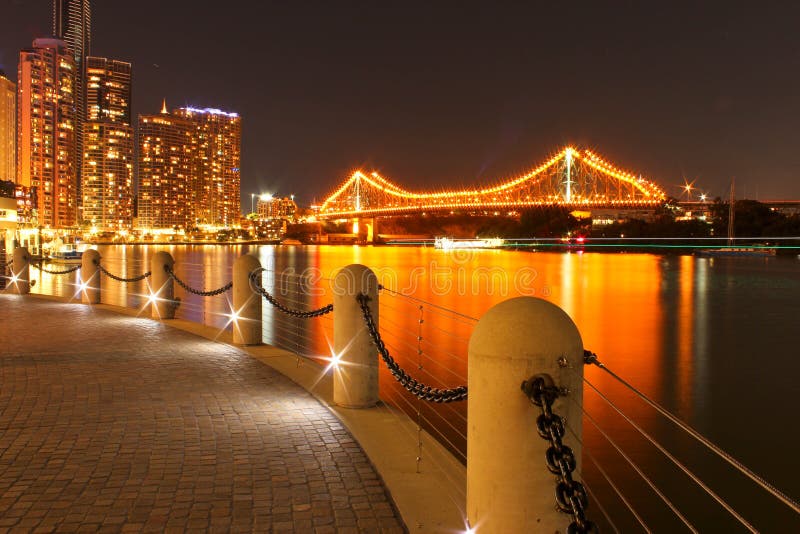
441,93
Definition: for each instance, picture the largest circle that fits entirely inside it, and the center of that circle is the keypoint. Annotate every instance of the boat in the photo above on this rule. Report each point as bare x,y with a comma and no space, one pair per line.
59,252
753,251
737,252
446,243
66,253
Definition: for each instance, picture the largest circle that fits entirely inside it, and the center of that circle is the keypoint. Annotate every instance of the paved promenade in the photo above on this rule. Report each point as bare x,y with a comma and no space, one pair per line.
110,423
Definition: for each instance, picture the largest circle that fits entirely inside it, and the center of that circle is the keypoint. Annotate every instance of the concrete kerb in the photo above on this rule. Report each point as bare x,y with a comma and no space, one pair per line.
433,500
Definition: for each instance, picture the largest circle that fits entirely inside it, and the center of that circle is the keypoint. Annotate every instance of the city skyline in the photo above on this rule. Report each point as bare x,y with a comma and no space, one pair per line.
444,97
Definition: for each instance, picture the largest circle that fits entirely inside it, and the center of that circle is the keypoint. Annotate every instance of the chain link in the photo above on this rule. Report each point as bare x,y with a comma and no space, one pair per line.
48,271
571,497
416,388
255,282
185,286
120,278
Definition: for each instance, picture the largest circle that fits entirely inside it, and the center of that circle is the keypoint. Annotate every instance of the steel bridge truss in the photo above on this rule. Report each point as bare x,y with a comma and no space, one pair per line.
572,178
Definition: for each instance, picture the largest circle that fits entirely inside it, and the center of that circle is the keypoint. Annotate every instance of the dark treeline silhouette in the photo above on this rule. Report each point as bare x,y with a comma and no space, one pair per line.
753,219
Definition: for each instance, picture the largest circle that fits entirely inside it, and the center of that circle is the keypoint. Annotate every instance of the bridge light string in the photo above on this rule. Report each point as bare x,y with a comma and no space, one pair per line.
395,189
464,198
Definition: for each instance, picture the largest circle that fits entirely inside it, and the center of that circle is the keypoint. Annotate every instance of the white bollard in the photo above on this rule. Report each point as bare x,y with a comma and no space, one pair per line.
162,286
21,272
509,488
246,302
90,277
355,374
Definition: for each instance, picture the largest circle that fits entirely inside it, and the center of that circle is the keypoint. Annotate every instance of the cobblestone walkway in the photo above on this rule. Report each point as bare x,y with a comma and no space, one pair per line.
115,424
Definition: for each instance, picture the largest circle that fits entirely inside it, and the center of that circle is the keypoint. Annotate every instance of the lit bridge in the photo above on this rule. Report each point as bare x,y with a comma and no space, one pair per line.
572,178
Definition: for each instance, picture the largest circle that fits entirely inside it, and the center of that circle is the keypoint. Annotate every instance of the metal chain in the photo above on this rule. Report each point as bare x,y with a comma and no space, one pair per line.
120,278
416,388
48,271
185,286
571,497
255,282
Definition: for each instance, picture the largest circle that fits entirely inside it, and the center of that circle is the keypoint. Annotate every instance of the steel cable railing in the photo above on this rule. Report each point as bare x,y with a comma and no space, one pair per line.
588,454
452,414
444,331
413,386
675,461
431,305
591,359
600,506
405,406
255,283
666,500
409,345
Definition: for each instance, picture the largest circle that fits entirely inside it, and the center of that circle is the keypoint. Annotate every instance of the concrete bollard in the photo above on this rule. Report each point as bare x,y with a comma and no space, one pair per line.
90,276
162,286
355,375
21,272
246,302
509,488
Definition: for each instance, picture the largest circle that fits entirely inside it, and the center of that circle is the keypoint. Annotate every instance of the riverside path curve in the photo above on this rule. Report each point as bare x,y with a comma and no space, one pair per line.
112,423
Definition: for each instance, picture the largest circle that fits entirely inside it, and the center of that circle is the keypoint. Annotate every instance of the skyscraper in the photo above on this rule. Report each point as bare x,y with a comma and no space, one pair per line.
72,24
108,90
165,180
8,129
46,130
216,138
107,174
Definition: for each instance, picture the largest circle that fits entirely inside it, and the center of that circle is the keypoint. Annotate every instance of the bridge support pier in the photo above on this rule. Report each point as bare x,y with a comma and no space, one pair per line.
509,488
366,229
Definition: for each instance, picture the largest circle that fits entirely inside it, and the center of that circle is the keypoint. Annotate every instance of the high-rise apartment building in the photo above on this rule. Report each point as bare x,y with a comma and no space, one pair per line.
72,23
216,138
165,165
46,131
189,168
108,90
8,129
107,173
276,208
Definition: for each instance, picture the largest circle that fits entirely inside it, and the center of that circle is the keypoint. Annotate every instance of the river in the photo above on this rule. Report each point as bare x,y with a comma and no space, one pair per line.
715,341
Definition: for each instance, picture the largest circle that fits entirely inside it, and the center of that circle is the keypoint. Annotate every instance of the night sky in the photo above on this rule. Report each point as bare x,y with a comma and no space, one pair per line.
446,93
